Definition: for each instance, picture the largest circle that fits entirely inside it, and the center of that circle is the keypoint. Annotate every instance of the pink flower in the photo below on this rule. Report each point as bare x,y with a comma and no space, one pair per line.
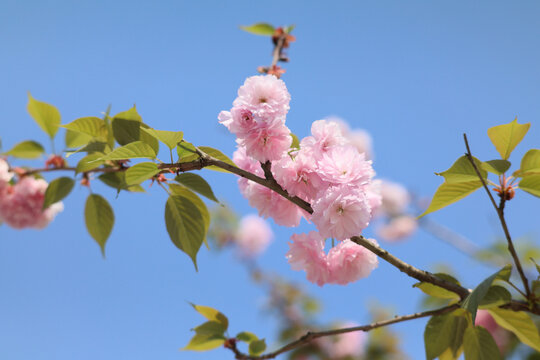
362,141
341,212
271,204
326,135
5,176
344,165
395,198
298,175
373,194
345,345
500,335
21,205
239,121
398,228
246,163
253,236
350,262
307,253
267,142
265,96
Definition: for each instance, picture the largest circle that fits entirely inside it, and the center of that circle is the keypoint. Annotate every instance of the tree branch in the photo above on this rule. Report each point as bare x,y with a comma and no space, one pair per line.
310,336
500,212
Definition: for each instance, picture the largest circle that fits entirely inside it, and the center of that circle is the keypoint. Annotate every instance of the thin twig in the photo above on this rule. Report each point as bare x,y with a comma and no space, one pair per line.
310,336
500,212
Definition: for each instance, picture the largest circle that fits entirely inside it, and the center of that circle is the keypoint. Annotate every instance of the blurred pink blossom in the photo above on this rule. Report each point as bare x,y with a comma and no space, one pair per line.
398,228
500,335
351,344
307,253
21,205
253,236
395,198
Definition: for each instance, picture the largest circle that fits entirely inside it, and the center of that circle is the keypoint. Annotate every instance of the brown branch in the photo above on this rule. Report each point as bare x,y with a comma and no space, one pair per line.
500,212
310,336
410,270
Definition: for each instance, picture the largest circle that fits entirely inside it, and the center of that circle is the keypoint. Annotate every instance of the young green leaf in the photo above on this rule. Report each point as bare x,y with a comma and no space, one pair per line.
463,171
496,296
479,345
259,29
26,150
89,162
57,190
169,138
437,291
92,126
197,184
531,184
257,347
45,115
477,295
138,173
246,336
445,332
530,163
126,131
497,167
185,225
117,180
295,142
75,139
217,155
449,193
507,137
99,218
130,114
204,342
185,192
520,323
212,314
134,150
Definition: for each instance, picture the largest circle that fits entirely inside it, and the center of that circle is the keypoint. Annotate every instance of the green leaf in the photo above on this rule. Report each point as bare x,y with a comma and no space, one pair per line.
212,314
89,162
183,191
437,291
479,345
138,173
99,218
203,342
497,167
217,155
246,336
186,151
477,295
445,332
47,116
530,163
295,142
117,180
531,184
75,139
463,171
257,347
27,150
259,29
130,114
134,150
92,126
289,29
197,184
93,147
496,296
507,137
57,190
537,266
520,323
449,193
185,225
169,138
536,288
126,131
210,328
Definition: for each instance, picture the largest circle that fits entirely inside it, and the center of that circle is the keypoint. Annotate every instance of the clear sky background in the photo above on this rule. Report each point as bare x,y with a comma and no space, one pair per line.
415,74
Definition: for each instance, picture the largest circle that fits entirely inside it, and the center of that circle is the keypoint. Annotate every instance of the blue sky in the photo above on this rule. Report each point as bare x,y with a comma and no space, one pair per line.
415,74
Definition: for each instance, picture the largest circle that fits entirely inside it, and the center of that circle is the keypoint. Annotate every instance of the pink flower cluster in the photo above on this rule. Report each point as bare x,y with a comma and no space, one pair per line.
345,346
253,236
395,201
346,262
21,204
